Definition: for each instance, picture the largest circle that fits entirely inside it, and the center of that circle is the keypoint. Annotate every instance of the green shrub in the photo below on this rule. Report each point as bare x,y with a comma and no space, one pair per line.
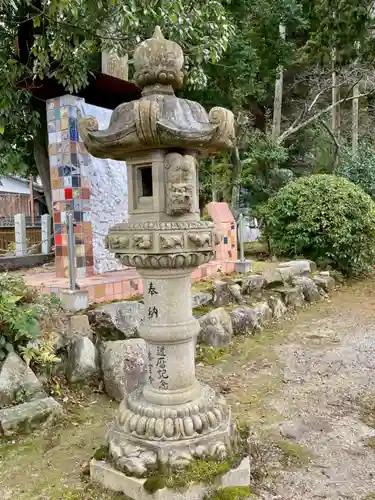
325,218
25,317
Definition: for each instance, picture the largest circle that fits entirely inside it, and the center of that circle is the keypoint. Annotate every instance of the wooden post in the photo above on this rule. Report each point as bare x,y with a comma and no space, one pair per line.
32,208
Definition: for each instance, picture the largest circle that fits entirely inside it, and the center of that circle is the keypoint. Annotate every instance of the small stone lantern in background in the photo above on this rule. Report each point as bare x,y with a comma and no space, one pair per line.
173,418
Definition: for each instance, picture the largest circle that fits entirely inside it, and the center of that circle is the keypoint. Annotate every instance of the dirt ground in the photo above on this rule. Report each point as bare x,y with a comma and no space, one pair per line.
305,388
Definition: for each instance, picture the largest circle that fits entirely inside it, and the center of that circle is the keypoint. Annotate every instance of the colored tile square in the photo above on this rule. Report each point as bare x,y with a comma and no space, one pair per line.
79,239
65,251
73,129
72,112
65,146
85,193
68,193
225,240
50,104
55,183
86,216
117,287
64,239
73,147
87,227
89,260
58,147
99,291
77,204
53,161
58,114
85,181
64,134
76,193
57,102
50,115
76,181
52,149
80,251
51,127
63,217
64,112
81,273
67,181
78,228
78,216
58,240
69,205
57,218
74,159
64,124
58,126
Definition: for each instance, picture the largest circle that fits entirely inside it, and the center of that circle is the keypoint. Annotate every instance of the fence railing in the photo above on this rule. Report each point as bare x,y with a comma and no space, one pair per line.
9,221
22,239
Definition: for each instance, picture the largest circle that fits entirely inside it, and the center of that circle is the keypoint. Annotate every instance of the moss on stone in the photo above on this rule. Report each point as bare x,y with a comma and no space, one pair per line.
198,471
201,310
202,286
101,453
232,493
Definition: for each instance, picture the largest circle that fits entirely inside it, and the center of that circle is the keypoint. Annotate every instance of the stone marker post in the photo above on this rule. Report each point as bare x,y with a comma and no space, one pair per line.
20,234
242,265
46,234
173,418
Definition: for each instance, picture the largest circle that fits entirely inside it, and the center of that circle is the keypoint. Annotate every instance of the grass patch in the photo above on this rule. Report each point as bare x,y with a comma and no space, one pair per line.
293,454
202,286
371,443
367,405
198,471
210,355
232,493
371,496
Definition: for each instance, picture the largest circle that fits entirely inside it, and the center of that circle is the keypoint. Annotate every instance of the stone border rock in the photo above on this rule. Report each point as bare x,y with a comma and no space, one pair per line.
254,300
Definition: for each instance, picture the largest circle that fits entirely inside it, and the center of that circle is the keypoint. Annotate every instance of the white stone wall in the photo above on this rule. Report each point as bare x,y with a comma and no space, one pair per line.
109,194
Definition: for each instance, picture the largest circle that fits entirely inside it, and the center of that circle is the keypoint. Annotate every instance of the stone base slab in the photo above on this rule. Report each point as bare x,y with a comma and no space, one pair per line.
243,266
28,416
74,300
109,478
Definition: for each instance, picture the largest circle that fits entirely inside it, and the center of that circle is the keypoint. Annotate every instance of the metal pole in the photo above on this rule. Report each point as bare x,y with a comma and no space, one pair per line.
71,252
242,250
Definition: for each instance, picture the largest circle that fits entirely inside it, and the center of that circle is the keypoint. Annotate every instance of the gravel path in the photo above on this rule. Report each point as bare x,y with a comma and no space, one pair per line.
329,366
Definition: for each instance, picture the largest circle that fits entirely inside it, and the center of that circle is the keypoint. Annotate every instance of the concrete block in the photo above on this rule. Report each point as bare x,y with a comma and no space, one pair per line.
74,300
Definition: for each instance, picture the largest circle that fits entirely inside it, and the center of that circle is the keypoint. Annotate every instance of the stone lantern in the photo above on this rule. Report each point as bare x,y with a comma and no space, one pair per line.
173,418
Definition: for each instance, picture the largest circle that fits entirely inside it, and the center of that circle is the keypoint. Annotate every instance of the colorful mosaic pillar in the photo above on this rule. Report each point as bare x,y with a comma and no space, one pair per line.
70,190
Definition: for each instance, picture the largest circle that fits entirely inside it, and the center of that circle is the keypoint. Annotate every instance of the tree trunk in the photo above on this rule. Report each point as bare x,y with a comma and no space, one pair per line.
41,158
355,119
278,100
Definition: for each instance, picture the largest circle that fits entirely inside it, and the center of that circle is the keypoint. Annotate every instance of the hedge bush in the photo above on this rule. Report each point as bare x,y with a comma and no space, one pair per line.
325,218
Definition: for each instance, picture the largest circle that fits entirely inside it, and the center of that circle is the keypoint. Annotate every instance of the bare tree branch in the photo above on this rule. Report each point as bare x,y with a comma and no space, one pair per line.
295,128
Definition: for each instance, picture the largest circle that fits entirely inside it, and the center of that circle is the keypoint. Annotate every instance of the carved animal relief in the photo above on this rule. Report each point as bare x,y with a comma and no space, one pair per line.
143,241
200,239
172,241
181,183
